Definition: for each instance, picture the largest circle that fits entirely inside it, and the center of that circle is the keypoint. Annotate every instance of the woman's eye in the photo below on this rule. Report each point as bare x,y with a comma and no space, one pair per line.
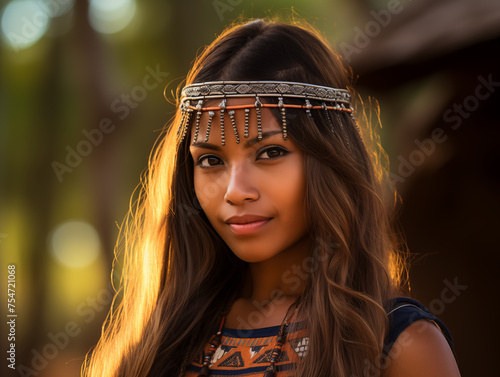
273,152
210,161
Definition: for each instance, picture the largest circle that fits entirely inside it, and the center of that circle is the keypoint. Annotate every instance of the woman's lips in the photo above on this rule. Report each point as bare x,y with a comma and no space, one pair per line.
248,228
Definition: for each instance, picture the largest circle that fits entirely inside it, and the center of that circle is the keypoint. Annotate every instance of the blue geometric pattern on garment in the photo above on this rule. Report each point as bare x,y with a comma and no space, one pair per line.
234,361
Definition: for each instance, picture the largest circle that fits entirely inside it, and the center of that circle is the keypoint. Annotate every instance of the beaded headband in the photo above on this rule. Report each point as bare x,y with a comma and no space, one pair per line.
331,99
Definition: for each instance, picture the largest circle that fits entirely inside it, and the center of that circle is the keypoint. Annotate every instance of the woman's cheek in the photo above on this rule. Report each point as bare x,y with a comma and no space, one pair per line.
206,195
209,188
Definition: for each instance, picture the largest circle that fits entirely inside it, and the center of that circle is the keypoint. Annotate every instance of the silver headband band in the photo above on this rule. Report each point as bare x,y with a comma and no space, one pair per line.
223,89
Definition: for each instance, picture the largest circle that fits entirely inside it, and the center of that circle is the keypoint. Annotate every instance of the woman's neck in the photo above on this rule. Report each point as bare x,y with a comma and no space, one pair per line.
271,287
285,274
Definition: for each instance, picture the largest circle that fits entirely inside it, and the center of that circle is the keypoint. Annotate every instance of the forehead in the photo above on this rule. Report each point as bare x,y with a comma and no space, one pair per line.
230,126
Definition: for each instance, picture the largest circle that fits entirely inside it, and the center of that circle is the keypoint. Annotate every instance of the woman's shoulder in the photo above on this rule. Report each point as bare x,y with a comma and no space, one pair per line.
402,312
417,343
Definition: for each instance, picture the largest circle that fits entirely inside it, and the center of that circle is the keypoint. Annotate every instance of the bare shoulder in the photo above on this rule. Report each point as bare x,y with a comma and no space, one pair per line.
421,350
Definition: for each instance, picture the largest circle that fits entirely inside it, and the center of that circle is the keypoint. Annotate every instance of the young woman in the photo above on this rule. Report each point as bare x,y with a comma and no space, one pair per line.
261,245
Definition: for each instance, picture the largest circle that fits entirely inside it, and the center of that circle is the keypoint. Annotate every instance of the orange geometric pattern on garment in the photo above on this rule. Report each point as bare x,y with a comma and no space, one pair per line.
247,352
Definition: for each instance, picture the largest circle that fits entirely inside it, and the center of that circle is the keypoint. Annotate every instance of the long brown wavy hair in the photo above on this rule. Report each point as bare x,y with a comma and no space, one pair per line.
178,273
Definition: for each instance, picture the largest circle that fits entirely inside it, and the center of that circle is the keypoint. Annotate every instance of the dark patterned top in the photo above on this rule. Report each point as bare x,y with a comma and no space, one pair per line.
246,352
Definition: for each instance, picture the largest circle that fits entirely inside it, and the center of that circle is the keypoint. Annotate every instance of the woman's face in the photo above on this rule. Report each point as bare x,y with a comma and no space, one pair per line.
261,180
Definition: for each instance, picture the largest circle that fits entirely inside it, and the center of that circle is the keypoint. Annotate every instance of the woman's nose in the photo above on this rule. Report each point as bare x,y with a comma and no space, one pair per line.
240,186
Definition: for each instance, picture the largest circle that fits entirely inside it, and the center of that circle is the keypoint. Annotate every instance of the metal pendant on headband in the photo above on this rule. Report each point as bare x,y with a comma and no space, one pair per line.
233,123
258,105
198,116
283,118
247,115
222,106
327,113
209,124
183,116
308,107
185,119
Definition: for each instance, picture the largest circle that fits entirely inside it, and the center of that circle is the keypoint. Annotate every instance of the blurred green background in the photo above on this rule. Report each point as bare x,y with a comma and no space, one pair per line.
82,104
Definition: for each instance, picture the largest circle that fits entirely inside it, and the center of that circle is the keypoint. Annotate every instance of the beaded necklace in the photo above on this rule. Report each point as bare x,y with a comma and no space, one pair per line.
274,356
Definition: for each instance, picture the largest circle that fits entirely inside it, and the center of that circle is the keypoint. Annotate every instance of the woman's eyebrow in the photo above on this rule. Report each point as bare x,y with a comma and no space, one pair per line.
248,143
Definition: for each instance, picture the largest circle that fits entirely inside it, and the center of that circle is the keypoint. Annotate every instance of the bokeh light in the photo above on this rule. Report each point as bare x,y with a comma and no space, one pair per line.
23,23
75,244
111,16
